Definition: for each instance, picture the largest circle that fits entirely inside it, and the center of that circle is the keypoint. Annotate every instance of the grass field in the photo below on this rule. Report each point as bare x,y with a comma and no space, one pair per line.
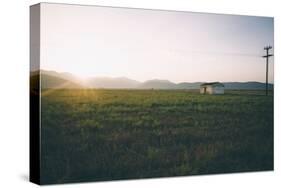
93,135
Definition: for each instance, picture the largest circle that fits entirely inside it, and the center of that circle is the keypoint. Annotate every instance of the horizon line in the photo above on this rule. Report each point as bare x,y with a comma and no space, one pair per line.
153,79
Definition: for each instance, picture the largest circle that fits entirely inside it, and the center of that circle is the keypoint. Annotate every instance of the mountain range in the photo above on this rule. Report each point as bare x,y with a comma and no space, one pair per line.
52,79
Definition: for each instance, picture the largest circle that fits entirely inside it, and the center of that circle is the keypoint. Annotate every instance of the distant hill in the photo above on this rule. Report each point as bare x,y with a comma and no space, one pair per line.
107,82
187,85
157,84
160,84
52,79
48,81
246,85
62,75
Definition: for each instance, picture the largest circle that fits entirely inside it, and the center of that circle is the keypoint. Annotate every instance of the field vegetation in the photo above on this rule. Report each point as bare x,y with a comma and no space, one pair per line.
96,134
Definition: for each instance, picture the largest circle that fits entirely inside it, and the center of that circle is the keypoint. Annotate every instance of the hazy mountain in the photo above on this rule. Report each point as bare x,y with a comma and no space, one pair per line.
48,81
165,84
187,85
63,75
107,82
157,84
246,85
52,79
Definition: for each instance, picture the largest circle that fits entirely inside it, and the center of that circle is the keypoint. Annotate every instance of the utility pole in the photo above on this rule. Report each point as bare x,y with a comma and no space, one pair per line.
267,48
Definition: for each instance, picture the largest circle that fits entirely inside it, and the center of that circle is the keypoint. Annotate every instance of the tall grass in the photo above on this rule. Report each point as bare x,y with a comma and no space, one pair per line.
94,135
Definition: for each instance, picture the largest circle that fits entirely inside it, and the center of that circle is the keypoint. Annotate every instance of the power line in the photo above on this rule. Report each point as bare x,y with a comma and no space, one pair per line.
218,53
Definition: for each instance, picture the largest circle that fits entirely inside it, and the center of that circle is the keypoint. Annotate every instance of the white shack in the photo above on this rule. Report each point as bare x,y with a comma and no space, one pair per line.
212,88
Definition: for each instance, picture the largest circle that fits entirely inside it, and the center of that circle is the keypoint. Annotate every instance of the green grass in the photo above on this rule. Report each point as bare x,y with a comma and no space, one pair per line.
94,135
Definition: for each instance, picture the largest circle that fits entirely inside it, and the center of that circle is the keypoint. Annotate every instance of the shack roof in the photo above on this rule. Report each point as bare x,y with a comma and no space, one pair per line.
212,84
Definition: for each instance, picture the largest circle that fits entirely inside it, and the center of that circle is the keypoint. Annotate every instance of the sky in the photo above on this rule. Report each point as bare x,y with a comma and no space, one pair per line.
140,44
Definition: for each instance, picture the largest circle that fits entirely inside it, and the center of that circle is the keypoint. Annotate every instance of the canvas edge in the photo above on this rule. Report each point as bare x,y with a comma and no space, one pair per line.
34,95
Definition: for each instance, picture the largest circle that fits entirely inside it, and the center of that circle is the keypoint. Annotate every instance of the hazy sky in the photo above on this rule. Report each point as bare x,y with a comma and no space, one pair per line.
144,44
